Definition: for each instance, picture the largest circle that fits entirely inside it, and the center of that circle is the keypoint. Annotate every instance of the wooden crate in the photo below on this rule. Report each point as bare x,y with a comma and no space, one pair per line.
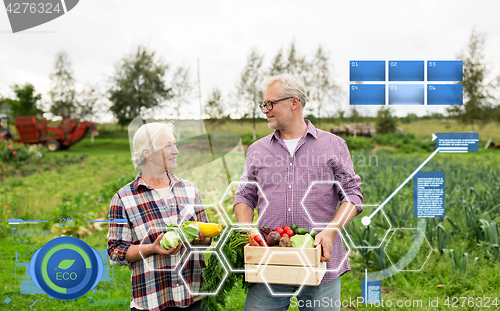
283,265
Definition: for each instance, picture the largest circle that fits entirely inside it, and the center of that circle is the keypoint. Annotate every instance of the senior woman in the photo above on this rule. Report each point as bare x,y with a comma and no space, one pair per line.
154,198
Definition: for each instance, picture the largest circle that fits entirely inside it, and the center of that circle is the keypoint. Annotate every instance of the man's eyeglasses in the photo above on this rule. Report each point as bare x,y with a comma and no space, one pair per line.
269,104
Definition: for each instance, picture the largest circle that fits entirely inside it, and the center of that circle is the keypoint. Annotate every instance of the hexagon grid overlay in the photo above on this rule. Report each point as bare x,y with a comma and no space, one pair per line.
226,202
181,253
310,192
418,242
212,253
343,259
265,266
213,217
361,232
225,240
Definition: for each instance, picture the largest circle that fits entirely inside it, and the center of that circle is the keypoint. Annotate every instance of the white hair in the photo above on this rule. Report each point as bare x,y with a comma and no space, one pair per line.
146,138
290,86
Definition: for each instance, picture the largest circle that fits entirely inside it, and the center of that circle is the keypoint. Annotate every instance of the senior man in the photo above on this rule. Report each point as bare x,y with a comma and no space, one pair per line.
299,159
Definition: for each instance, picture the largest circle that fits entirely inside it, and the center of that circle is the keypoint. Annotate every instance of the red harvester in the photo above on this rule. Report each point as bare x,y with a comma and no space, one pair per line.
68,133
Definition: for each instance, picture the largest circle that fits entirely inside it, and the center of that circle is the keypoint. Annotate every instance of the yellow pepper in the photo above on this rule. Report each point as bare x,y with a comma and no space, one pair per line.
209,230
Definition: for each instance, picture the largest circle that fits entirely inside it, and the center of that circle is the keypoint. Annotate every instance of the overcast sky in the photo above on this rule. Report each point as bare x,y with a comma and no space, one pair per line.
97,33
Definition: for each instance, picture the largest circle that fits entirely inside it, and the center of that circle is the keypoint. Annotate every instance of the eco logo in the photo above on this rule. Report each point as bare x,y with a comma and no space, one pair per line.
26,14
66,268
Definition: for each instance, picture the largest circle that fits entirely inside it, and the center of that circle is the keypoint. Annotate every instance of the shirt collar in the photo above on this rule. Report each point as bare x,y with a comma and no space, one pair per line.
138,181
309,130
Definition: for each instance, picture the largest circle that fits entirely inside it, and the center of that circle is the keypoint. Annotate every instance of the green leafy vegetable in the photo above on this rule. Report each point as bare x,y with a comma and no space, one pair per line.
214,272
302,241
191,231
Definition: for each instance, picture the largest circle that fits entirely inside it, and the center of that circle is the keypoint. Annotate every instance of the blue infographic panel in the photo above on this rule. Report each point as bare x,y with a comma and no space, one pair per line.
467,141
445,70
428,194
406,94
445,94
406,70
371,291
363,70
367,94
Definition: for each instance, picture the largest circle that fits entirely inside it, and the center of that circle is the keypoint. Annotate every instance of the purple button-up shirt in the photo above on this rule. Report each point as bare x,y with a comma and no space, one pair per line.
304,188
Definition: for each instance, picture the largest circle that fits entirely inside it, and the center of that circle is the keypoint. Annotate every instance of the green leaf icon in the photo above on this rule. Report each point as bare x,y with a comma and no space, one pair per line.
65,264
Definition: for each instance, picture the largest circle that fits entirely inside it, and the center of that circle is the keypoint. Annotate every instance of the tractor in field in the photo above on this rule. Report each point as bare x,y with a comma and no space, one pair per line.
66,134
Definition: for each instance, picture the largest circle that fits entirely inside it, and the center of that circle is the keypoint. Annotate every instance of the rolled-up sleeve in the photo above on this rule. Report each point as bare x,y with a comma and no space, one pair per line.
348,179
119,233
246,191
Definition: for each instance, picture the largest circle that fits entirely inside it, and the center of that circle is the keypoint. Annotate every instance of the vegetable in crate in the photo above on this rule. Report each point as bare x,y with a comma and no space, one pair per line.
285,242
170,239
299,241
273,238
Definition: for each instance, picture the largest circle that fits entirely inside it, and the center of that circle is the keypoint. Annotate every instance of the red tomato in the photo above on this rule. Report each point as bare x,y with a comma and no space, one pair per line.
257,239
284,235
279,230
285,228
290,232
264,244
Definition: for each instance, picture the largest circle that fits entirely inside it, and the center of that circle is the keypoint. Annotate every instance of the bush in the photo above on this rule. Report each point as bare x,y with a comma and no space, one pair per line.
20,159
386,122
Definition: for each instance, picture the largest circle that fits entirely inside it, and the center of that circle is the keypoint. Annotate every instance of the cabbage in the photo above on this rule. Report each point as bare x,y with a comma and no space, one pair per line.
170,239
302,241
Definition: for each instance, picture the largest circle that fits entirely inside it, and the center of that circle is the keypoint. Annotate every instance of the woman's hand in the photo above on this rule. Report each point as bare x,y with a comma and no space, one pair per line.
156,248
201,240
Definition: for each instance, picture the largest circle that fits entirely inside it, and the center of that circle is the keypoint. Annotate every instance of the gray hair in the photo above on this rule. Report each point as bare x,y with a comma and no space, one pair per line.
146,138
290,86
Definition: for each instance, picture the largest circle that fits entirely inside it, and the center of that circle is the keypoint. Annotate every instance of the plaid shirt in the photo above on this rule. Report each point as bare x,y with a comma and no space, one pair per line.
286,179
147,213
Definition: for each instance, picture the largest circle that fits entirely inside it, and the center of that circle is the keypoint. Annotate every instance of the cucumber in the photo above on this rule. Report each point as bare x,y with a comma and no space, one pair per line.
294,229
313,234
303,231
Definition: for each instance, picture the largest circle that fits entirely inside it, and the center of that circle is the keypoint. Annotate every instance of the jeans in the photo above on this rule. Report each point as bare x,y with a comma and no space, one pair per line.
194,307
322,297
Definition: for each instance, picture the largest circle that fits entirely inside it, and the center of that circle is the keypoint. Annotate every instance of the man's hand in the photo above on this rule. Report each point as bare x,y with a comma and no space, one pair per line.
156,248
325,238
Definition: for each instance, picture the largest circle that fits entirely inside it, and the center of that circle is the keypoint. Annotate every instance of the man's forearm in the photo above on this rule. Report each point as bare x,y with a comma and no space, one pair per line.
345,214
244,213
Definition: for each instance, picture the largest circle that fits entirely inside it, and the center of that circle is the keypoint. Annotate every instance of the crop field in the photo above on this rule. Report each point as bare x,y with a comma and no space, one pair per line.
461,258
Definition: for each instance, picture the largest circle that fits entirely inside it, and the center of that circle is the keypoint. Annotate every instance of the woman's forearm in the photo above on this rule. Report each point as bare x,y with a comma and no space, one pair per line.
134,252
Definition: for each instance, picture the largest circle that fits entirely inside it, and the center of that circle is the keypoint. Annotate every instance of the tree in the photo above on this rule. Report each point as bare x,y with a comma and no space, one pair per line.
62,92
215,105
322,88
476,90
249,91
385,121
182,89
355,117
26,102
89,102
279,65
293,63
139,82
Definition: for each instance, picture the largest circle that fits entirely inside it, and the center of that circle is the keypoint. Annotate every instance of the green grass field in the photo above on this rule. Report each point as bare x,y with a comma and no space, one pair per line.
83,191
